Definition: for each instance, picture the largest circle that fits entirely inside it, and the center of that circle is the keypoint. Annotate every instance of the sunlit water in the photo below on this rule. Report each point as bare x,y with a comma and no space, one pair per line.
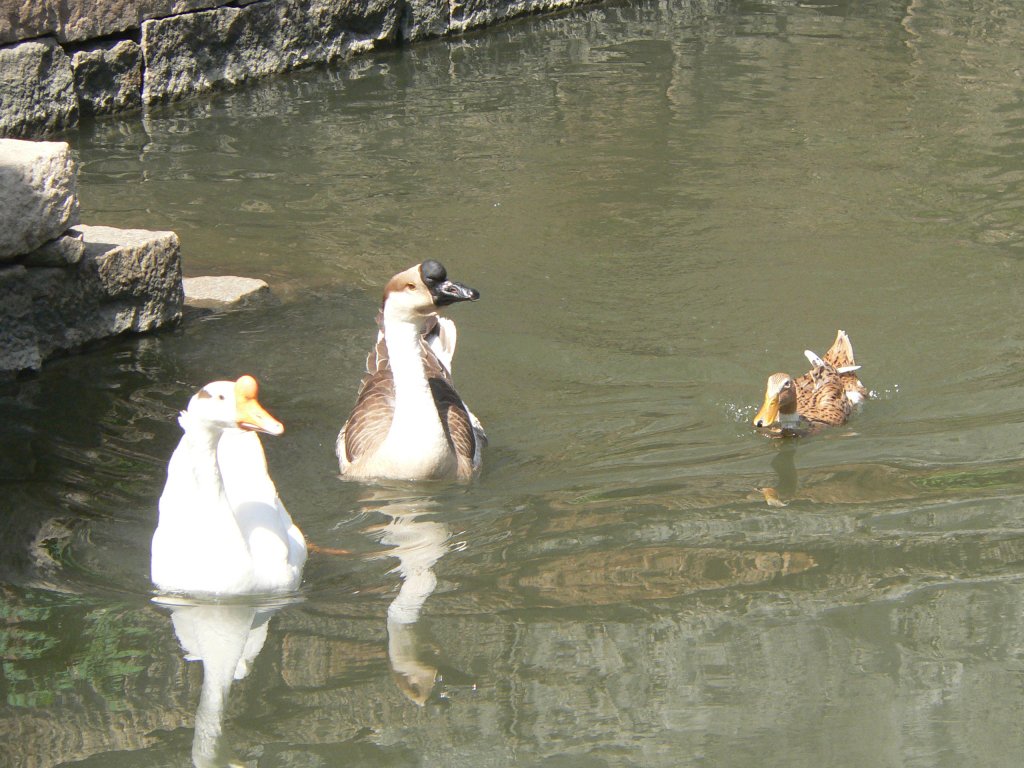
661,204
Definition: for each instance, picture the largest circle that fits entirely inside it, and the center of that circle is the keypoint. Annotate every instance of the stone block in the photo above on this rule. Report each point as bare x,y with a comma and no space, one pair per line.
108,78
135,275
38,194
89,19
63,251
200,51
473,14
126,280
37,89
223,292
19,347
421,19
26,19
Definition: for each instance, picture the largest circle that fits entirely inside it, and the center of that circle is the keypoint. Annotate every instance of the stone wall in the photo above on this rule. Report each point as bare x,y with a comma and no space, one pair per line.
62,59
64,284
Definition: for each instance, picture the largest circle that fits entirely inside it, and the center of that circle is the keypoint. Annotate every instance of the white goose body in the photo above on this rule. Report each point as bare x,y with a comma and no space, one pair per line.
409,423
222,529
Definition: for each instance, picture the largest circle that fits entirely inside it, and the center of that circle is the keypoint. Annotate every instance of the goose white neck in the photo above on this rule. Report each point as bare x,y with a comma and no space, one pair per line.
200,440
413,398
416,445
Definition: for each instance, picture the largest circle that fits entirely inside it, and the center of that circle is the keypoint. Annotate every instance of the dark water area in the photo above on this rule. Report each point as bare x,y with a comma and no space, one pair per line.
661,204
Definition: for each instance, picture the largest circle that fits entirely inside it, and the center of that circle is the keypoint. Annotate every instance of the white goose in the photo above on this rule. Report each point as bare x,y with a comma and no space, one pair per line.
408,422
222,527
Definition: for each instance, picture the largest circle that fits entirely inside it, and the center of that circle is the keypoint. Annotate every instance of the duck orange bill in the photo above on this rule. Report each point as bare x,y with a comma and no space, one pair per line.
769,412
250,414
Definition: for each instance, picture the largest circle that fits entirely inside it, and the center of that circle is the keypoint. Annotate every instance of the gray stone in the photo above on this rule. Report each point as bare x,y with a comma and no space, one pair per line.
91,19
137,274
127,280
108,78
78,20
37,89
63,251
201,51
472,14
223,292
421,19
25,19
19,348
38,194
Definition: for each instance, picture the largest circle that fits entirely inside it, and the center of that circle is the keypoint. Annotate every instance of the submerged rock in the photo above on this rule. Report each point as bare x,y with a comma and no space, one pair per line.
223,292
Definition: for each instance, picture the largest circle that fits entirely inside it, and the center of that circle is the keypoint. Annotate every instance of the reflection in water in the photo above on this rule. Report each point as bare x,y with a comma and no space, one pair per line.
418,544
227,638
784,467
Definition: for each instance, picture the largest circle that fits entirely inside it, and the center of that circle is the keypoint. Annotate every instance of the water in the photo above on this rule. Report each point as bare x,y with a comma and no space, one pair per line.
661,204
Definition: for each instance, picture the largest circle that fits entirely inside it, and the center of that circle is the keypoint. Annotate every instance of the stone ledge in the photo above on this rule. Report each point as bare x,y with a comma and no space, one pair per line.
127,280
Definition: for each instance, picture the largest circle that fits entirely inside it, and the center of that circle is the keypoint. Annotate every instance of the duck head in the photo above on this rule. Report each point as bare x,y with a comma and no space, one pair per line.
421,290
779,398
229,404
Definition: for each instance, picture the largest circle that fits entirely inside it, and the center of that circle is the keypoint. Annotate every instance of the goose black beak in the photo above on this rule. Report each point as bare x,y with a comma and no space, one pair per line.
450,292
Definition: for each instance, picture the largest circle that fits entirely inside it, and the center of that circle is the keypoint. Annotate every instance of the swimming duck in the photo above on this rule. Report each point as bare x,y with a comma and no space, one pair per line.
824,396
408,422
222,527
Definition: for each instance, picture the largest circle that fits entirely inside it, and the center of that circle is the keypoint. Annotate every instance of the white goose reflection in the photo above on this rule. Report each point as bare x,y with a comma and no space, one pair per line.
418,544
227,638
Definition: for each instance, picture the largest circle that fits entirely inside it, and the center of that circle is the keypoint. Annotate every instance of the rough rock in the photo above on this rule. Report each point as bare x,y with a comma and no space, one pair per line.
38,194
137,274
222,292
126,280
108,78
198,52
25,19
77,20
63,251
472,14
37,89
89,19
19,349
422,19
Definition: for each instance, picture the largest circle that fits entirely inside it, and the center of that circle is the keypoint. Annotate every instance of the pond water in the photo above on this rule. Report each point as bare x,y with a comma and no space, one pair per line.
661,204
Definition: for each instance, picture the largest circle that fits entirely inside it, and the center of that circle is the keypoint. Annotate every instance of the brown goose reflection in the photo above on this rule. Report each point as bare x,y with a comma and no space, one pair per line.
226,638
418,543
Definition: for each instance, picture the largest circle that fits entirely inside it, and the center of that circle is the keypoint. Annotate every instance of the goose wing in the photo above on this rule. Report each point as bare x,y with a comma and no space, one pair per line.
456,419
371,417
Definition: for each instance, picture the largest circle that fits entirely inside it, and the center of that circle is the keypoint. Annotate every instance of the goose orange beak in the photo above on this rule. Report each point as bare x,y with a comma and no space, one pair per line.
251,415
769,412
779,389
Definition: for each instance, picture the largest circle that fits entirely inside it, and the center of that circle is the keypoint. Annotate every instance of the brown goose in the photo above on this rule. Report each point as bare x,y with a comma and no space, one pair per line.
408,422
824,396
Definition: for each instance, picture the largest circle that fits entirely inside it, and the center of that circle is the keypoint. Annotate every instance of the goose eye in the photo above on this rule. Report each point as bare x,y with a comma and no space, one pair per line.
220,397
410,287
787,384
